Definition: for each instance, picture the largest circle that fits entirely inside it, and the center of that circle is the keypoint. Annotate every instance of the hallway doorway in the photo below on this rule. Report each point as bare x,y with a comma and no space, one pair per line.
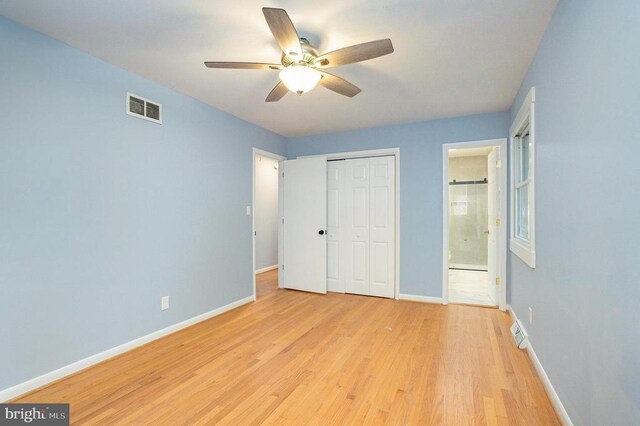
266,224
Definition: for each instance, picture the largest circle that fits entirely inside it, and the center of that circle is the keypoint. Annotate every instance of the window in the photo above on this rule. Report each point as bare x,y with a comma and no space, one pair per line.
522,182
521,136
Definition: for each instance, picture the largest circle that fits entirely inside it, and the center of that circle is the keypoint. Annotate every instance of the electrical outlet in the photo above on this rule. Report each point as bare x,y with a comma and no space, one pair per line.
530,315
164,303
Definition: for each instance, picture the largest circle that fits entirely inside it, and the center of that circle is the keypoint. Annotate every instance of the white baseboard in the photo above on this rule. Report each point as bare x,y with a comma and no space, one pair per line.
268,268
424,299
62,372
553,396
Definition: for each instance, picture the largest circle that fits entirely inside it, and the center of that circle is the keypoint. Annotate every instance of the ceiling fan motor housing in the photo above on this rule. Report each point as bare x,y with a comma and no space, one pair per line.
309,53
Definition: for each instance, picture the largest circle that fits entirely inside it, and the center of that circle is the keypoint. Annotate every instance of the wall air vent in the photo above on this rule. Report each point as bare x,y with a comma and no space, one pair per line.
140,107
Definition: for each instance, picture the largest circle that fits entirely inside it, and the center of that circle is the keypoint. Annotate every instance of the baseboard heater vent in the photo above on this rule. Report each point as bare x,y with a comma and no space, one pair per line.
519,335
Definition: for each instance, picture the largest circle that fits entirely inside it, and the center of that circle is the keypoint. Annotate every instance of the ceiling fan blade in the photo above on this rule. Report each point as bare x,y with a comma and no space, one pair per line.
356,53
338,85
277,93
283,31
243,65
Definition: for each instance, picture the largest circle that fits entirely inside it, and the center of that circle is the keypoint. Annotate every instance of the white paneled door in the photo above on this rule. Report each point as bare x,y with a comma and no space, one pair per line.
382,226
305,220
365,235
356,230
335,222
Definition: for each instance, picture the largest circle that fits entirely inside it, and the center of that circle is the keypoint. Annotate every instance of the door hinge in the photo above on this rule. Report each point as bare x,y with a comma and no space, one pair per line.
283,266
283,220
498,280
498,222
282,175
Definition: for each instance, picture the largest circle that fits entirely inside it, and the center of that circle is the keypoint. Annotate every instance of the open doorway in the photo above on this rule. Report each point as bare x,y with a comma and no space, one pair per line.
475,241
266,196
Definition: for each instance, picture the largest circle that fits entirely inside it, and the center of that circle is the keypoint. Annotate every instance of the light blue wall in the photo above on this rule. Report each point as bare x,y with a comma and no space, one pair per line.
585,291
101,213
420,183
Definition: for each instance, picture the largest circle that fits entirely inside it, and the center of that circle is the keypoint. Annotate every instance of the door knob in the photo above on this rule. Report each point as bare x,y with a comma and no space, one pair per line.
321,232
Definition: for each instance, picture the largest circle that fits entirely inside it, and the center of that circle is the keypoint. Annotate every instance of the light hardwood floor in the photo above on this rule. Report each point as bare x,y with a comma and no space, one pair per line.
299,358
266,283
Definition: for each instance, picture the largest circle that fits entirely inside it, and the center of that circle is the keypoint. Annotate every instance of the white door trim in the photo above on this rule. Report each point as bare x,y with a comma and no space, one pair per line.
502,209
395,152
256,152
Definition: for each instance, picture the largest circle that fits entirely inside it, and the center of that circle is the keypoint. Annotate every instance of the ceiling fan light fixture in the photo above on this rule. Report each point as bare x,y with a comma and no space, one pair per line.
300,64
300,78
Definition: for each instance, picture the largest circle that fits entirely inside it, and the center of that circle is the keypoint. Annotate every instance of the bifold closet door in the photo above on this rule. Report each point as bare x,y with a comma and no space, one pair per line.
356,230
382,226
368,233
335,223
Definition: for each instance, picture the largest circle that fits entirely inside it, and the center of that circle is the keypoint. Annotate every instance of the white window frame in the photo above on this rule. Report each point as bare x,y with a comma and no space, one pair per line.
525,249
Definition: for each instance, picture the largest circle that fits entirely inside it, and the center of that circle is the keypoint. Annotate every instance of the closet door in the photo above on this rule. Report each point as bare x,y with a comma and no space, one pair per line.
356,229
305,218
335,223
382,226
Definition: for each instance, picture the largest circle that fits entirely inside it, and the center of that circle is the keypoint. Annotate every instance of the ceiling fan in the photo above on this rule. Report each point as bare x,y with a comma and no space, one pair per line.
301,66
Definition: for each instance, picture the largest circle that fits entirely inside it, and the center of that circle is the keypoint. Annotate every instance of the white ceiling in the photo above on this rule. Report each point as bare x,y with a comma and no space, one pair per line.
452,57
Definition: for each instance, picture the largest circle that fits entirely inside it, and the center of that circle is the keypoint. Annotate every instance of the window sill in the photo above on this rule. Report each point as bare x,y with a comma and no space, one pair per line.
524,252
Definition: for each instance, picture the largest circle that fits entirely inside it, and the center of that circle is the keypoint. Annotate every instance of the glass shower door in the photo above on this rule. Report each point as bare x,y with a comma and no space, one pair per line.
468,225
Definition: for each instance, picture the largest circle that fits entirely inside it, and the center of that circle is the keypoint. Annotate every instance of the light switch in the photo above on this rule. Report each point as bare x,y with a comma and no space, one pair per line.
248,210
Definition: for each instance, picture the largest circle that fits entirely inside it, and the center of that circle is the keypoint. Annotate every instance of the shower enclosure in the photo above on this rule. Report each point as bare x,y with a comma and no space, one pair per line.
468,224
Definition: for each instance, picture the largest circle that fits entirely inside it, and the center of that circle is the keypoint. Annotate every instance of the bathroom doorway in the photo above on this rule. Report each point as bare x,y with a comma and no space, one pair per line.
475,244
